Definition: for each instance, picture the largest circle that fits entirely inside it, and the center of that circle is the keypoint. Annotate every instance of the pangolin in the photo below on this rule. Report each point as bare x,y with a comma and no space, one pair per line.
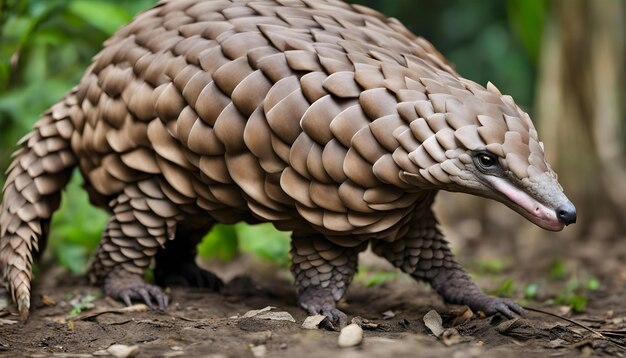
326,119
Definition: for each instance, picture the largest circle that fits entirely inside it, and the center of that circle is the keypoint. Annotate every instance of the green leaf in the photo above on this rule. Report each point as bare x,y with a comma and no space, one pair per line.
593,284
82,304
578,303
558,270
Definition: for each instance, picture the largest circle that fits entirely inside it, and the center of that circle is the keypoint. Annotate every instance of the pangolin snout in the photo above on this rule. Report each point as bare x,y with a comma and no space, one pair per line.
566,213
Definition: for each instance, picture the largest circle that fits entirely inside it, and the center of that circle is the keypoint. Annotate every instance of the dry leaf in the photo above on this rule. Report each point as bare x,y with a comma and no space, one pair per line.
433,321
314,322
253,313
265,313
451,337
463,317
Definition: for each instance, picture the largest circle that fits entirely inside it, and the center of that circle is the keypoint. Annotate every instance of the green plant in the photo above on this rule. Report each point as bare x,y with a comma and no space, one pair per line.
80,304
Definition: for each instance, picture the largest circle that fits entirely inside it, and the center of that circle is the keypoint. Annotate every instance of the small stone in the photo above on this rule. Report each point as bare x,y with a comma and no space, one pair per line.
350,336
123,351
258,351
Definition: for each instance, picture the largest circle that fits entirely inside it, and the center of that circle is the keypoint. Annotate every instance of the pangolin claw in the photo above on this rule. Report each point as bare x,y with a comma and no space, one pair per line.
320,301
145,292
128,288
491,305
335,316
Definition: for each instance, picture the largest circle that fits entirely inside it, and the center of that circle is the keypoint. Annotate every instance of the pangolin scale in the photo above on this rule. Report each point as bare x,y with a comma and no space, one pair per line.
326,119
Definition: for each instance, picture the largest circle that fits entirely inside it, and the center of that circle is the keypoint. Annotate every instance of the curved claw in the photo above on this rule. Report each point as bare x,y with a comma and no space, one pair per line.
491,305
335,316
146,293
320,301
129,289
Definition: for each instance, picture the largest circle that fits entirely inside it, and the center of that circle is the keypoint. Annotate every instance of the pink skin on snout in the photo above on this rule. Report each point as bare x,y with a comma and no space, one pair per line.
538,213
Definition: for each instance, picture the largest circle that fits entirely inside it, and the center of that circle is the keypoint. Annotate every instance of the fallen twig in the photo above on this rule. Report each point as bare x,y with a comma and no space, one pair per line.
586,328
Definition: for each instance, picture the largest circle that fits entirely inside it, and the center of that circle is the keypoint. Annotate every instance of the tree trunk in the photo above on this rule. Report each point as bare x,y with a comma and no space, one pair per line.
580,109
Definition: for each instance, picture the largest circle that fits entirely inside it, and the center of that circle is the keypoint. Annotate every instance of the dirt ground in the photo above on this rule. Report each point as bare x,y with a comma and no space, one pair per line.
207,324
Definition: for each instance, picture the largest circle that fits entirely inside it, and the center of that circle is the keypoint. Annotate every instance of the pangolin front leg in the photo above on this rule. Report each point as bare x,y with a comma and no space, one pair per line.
323,271
176,263
424,254
142,221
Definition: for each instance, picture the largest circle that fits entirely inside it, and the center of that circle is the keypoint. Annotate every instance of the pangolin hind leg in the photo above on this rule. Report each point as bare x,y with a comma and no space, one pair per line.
424,254
323,271
176,265
142,221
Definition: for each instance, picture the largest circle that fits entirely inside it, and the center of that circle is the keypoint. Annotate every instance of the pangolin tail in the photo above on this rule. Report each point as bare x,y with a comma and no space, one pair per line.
39,171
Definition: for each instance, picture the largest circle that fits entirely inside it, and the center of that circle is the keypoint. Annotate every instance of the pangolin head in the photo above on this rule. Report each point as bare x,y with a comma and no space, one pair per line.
478,141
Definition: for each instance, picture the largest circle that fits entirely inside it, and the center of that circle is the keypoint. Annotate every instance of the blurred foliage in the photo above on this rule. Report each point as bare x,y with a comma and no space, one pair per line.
371,276
224,241
506,288
493,40
45,46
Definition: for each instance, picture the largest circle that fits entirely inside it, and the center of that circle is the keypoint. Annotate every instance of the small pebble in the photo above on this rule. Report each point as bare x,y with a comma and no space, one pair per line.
123,351
350,336
259,351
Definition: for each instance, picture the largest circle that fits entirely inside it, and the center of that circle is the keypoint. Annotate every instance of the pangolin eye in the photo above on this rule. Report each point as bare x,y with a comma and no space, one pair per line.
487,161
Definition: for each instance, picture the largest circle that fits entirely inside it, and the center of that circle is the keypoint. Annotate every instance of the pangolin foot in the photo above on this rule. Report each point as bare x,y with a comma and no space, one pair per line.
189,275
491,305
129,288
320,301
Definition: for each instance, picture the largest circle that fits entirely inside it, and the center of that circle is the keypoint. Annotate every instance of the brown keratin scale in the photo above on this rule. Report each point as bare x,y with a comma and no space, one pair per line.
327,119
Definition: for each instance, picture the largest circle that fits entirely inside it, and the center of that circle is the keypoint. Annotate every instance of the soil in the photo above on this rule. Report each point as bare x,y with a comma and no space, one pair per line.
201,323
